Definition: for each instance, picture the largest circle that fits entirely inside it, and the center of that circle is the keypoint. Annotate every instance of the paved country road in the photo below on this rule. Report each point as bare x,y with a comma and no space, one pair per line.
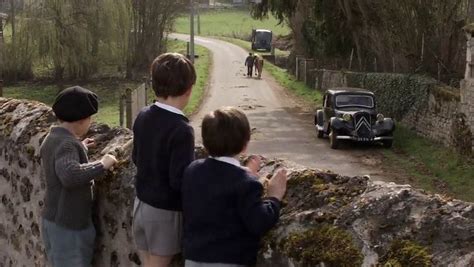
281,129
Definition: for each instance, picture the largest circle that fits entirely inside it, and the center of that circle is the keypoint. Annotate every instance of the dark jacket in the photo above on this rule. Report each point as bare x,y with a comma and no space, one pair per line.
249,61
163,146
224,213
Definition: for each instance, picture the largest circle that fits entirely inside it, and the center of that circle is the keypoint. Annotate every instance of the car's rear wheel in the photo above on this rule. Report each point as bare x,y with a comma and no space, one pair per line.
333,141
387,143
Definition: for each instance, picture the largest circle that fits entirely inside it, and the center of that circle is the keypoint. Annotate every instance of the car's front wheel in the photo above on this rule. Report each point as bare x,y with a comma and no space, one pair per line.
333,141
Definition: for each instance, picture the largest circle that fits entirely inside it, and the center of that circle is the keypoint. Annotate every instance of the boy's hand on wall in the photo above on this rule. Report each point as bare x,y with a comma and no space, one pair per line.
88,143
253,164
108,161
277,184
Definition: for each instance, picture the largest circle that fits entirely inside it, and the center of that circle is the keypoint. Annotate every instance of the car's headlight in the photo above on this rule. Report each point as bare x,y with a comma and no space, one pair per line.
380,118
347,117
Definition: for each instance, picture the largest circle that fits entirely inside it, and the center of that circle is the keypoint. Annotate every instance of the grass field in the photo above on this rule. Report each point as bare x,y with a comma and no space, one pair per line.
234,23
434,168
109,91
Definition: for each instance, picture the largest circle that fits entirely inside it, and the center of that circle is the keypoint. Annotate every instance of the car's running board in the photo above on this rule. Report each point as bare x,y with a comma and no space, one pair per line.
354,138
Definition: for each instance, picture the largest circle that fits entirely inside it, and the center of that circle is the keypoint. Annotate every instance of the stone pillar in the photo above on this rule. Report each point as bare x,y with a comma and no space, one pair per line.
467,85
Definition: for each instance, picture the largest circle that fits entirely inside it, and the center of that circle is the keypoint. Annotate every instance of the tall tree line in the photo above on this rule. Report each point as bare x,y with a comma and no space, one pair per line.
75,39
401,36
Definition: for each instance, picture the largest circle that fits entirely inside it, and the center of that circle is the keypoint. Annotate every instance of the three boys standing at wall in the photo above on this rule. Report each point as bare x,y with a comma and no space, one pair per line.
212,210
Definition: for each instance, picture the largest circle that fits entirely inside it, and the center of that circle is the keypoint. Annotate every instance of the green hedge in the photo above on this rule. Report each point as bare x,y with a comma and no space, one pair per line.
396,93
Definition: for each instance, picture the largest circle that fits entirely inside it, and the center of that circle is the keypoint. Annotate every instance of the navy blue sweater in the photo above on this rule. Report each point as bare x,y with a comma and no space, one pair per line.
224,213
163,146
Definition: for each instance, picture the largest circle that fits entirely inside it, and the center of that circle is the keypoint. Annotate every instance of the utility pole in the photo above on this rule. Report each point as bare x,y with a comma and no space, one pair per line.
191,41
199,19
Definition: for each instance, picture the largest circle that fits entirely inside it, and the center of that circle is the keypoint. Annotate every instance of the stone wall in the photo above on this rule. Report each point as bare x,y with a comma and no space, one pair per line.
23,125
436,120
368,216
467,104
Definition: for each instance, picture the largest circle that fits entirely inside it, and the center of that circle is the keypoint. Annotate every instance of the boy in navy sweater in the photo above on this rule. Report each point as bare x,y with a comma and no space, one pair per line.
163,146
224,213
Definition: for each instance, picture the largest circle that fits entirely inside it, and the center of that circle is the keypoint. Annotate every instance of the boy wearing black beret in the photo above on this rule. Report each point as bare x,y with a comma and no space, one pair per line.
67,229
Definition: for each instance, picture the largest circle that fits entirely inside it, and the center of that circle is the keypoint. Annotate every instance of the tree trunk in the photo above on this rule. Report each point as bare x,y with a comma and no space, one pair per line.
470,14
12,7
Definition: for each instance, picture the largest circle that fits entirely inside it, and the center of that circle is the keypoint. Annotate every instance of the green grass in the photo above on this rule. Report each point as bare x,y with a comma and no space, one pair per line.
234,23
311,96
109,94
432,164
109,91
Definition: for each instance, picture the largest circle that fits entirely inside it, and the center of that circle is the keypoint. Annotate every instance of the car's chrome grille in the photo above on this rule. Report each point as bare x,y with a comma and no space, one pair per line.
363,124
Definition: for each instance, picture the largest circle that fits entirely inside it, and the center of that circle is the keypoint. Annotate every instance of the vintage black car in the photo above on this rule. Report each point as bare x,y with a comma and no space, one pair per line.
350,114
261,40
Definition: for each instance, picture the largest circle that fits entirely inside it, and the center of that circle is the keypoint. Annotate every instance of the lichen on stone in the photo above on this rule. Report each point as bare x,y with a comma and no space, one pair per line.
406,253
325,244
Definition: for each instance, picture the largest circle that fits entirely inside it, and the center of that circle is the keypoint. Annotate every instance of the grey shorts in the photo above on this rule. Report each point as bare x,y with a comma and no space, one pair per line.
157,231
189,263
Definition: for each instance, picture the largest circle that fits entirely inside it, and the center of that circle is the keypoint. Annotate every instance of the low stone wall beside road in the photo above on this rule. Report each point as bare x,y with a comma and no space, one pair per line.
358,221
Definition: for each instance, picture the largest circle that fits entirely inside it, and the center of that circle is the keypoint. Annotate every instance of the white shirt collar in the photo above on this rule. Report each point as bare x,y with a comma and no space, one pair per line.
169,108
229,160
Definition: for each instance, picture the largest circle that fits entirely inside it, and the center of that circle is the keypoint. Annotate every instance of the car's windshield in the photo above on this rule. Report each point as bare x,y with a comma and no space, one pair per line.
264,36
347,100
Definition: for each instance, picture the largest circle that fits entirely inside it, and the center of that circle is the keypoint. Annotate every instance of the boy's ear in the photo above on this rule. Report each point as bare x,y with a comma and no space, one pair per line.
189,91
244,150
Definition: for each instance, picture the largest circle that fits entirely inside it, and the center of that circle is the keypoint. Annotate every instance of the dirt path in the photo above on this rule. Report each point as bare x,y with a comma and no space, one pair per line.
281,128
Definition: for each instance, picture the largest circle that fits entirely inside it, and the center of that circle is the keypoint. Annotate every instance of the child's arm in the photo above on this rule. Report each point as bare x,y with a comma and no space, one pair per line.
182,154
258,215
70,171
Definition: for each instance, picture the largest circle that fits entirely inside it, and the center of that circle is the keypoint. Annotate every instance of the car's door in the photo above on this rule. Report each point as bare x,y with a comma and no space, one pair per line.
328,110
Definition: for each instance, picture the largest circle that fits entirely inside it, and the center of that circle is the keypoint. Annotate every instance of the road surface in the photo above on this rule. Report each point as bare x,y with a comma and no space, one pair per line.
280,128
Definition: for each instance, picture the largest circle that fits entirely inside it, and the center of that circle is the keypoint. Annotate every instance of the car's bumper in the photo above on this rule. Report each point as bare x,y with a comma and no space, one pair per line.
364,139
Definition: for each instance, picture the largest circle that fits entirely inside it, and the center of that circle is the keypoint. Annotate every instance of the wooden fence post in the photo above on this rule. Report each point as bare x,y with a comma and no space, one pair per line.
121,109
297,67
128,108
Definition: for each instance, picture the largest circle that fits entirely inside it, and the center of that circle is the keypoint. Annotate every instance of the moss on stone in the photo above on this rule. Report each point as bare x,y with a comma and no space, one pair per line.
327,244
446,93
30,150
406,253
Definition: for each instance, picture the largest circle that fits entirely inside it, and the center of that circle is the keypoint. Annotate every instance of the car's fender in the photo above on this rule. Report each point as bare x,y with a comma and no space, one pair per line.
319,118
336,123
388,125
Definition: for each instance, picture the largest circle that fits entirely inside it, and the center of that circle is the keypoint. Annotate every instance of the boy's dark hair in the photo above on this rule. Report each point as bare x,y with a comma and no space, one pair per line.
172,74
225,132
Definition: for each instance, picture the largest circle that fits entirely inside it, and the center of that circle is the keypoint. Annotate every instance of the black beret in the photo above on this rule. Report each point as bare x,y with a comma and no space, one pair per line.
75,103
